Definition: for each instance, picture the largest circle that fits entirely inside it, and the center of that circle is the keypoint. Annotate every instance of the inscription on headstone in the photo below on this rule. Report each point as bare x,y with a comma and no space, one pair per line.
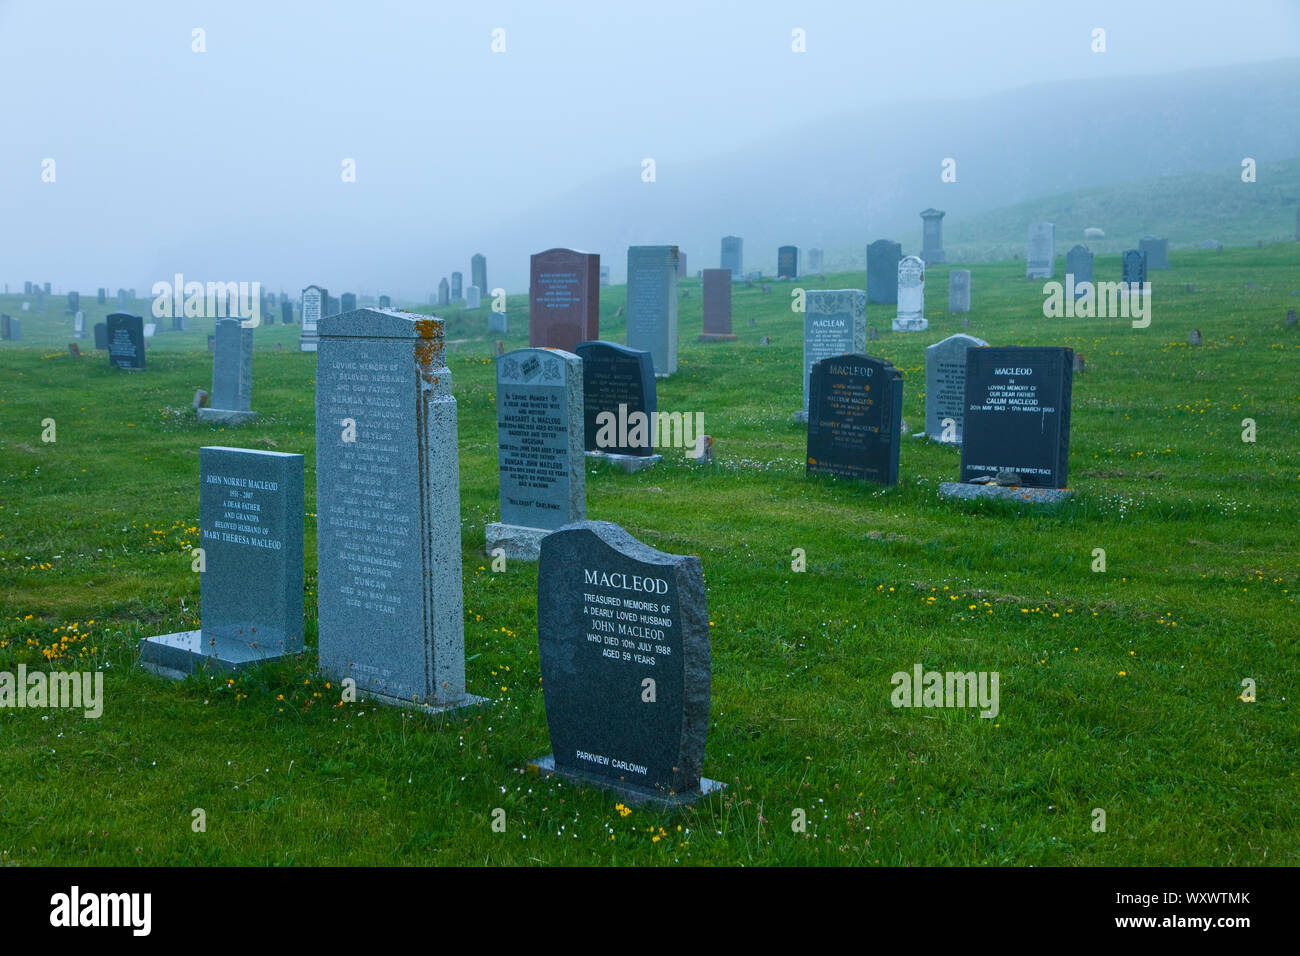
313,310
911,296
717,306
834,323
652,304
125,340
563,299
855,418
620,404
945,386
959,290
1040,258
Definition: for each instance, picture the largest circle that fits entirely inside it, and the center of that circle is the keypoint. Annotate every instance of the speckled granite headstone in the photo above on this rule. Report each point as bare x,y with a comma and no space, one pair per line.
125,340
251,585
623,643
834,323
652,304
232,375
945,385
541,464
388,509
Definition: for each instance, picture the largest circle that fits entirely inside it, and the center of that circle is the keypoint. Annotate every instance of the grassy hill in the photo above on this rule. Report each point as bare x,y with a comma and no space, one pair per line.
1119,690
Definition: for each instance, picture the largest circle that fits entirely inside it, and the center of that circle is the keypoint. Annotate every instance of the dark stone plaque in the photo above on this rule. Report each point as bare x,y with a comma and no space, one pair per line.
883,257
101,335
1135,268
563,299
855,418
125,340
787,262
619,382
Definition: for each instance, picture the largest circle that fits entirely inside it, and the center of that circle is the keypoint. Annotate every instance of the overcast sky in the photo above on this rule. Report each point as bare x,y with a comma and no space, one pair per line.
226,165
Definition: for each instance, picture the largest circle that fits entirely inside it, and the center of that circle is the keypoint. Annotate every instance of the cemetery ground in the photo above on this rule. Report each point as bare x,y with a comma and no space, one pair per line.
1119,690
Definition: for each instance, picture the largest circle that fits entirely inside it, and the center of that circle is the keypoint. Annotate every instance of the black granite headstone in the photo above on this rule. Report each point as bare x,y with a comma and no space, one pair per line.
1134,267
787,262
621,382
1018,414
125,340
855,411
883,257
74,301
6,327
286,313
101,335
623,643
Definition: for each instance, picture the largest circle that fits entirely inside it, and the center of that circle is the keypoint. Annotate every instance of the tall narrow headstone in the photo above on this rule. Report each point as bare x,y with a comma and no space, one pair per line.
74,301
101,335
620,404
855,416
563,298
478,271
40,300
717,306
250,590
1134,268
652,304
1040,256
681,264
932,237
101,297
456,294
604,276
121,298
623,644
1157,251
126,341
232,375
959,290
6,327
388,515
27,288
1078,263
814,261
1017,415
911,296
472,297
444,293
733,257
883,257
15,330
313,310
834,323
541,464
945,386
787,262
286,313
79,325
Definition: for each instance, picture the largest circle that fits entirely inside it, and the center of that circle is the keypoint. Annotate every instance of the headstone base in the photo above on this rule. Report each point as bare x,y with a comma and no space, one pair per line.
801,417
225,416
545,767
518,542
714,337
181,654
442,707
628,463
971,492
308,344
497,323
902,324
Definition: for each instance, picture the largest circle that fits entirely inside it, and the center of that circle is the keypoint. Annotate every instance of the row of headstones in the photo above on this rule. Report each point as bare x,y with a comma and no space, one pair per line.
622,628
316,305
451,294
1040,257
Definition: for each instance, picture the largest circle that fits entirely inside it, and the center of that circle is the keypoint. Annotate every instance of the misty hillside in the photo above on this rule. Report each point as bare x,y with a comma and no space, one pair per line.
838,184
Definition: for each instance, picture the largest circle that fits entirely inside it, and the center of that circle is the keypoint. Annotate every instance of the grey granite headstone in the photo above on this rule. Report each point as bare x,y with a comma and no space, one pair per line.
348,302
27,288
385,302
959,290
251,585
444,293
40,300
855,410
472,300
604,276
313,310
456,294
883,257
497,322
834,323
623,644
1078,269
1194,337
787,262
652,304
945,386
101,335
74,301
932,237
814,259
388,510
121,298
541,464
1040,258
681,264
717,306
101,297
478,271
286,313
1157,251
911,296
15,330
125,341
232,375
1134,268
79,325
620,405
733,257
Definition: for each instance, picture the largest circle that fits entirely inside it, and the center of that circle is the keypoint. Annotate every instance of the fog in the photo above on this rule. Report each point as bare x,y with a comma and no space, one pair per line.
228,164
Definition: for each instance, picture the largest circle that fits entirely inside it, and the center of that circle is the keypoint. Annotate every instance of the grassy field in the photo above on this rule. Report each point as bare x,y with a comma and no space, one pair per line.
1119,690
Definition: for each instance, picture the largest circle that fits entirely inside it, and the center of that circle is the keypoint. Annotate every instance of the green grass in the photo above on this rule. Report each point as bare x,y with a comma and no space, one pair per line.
1119,690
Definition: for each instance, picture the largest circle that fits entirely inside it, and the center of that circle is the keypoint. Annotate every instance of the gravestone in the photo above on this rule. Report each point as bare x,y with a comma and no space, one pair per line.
251,585
121,298
620,405
733,258
79,325
313,310
74,350
27,288
472,297
1040,258
101,296
101,335
232,375
563,299
883,257
932,237
604,276
478,272
911,296
150,329
1157,251
286,313
873,335
623,644
945,386
497,322
388,526
456,294
74,301
834,323
541,465
385,302
717,306
959,290
1017,415
681,264
1134,268
855,416
40,300
1194,338
787,262
1078,264
652,304
1290,317
125,341
15,330
814,261
348,302
444,293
